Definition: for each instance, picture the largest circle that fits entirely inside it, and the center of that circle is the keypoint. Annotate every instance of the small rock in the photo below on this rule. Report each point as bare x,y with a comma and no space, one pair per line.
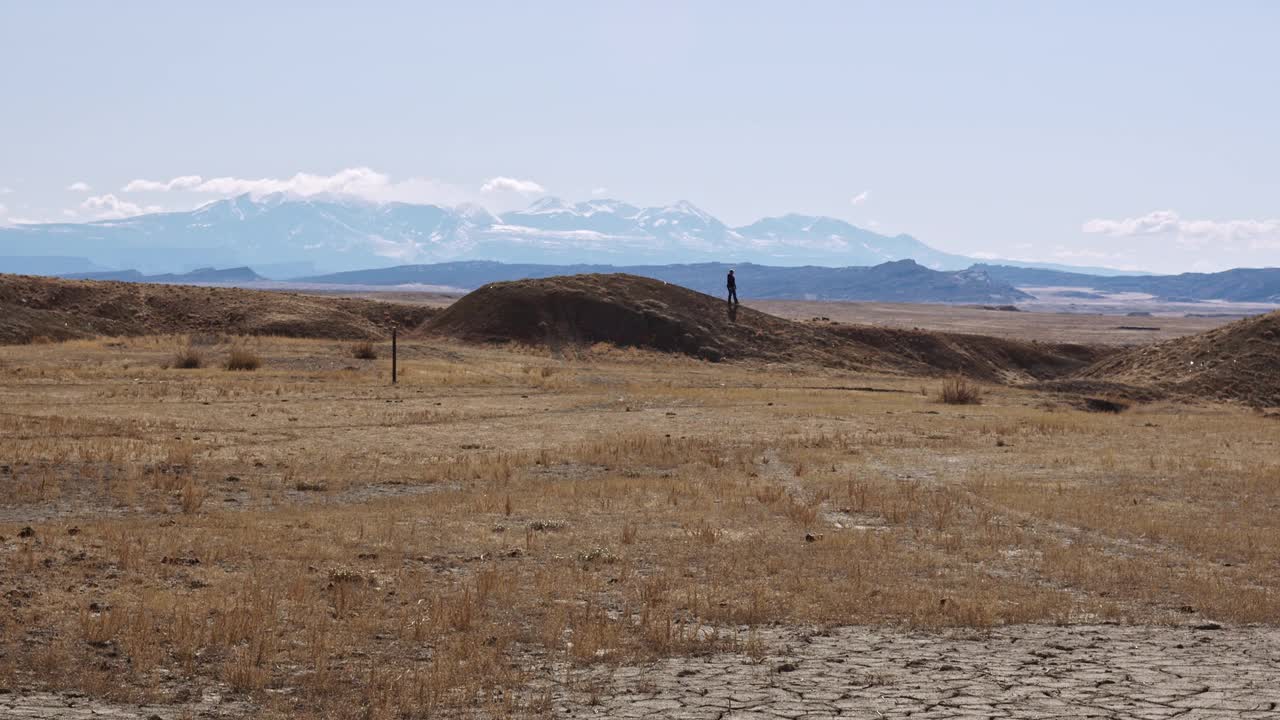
786,667
26,532
1208,626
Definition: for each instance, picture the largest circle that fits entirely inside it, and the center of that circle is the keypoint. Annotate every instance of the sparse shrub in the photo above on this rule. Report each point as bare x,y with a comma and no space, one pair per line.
243,359
364,350
42,340
193,496
959,390
188,358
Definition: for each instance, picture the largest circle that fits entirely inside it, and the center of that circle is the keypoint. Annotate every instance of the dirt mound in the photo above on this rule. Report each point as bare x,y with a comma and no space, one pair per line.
977,356
633,311
629,311
35,307
1234,362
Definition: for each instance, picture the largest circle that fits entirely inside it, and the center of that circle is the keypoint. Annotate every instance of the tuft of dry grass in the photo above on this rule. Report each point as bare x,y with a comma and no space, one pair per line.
187,358
364,350
242,359
959,390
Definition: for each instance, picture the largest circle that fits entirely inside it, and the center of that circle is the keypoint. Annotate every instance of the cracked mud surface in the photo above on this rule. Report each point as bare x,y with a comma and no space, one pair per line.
76,706
1037,672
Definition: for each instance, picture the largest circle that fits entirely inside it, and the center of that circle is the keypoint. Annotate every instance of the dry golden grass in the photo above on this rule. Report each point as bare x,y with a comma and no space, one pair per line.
188,358
241,358
329,545
959,390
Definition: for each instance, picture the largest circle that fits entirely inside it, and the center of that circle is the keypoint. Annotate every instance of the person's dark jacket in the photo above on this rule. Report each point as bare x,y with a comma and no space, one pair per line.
730,282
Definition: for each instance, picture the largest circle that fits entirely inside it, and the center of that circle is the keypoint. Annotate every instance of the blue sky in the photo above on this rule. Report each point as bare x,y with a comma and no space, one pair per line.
1134,134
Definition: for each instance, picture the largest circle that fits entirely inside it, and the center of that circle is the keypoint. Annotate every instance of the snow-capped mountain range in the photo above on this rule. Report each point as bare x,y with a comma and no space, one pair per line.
332,233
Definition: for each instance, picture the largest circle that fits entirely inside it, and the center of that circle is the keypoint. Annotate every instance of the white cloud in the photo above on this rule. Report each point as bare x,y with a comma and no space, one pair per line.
352,181
600,191
184,182
1256,234
79,186
860,198
110,207
360,182
5,190
3,210
507,184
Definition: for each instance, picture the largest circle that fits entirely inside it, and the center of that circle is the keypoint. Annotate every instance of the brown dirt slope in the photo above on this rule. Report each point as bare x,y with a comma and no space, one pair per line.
978,356
640,312
33,307
1239,361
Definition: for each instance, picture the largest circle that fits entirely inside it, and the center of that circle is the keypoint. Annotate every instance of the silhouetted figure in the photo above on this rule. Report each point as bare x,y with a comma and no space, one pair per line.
733,288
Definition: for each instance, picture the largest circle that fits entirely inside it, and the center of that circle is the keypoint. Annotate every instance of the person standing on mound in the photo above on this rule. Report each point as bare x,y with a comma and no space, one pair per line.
733,289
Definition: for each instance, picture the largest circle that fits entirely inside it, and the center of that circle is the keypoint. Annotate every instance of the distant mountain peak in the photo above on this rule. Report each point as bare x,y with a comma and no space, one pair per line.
685,206
476,214
548,204
338,232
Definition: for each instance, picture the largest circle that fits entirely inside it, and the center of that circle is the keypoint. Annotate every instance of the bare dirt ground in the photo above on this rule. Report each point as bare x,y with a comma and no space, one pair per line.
1013,672
429,298
1058,327
605,533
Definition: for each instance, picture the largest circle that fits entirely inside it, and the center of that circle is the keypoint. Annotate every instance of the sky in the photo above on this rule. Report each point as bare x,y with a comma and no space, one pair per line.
1135,135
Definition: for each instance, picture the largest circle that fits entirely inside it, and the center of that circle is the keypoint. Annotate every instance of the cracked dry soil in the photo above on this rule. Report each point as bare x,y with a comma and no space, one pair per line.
1035,672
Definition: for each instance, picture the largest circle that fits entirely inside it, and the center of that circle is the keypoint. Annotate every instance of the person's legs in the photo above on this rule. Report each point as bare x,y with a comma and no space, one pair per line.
733,296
